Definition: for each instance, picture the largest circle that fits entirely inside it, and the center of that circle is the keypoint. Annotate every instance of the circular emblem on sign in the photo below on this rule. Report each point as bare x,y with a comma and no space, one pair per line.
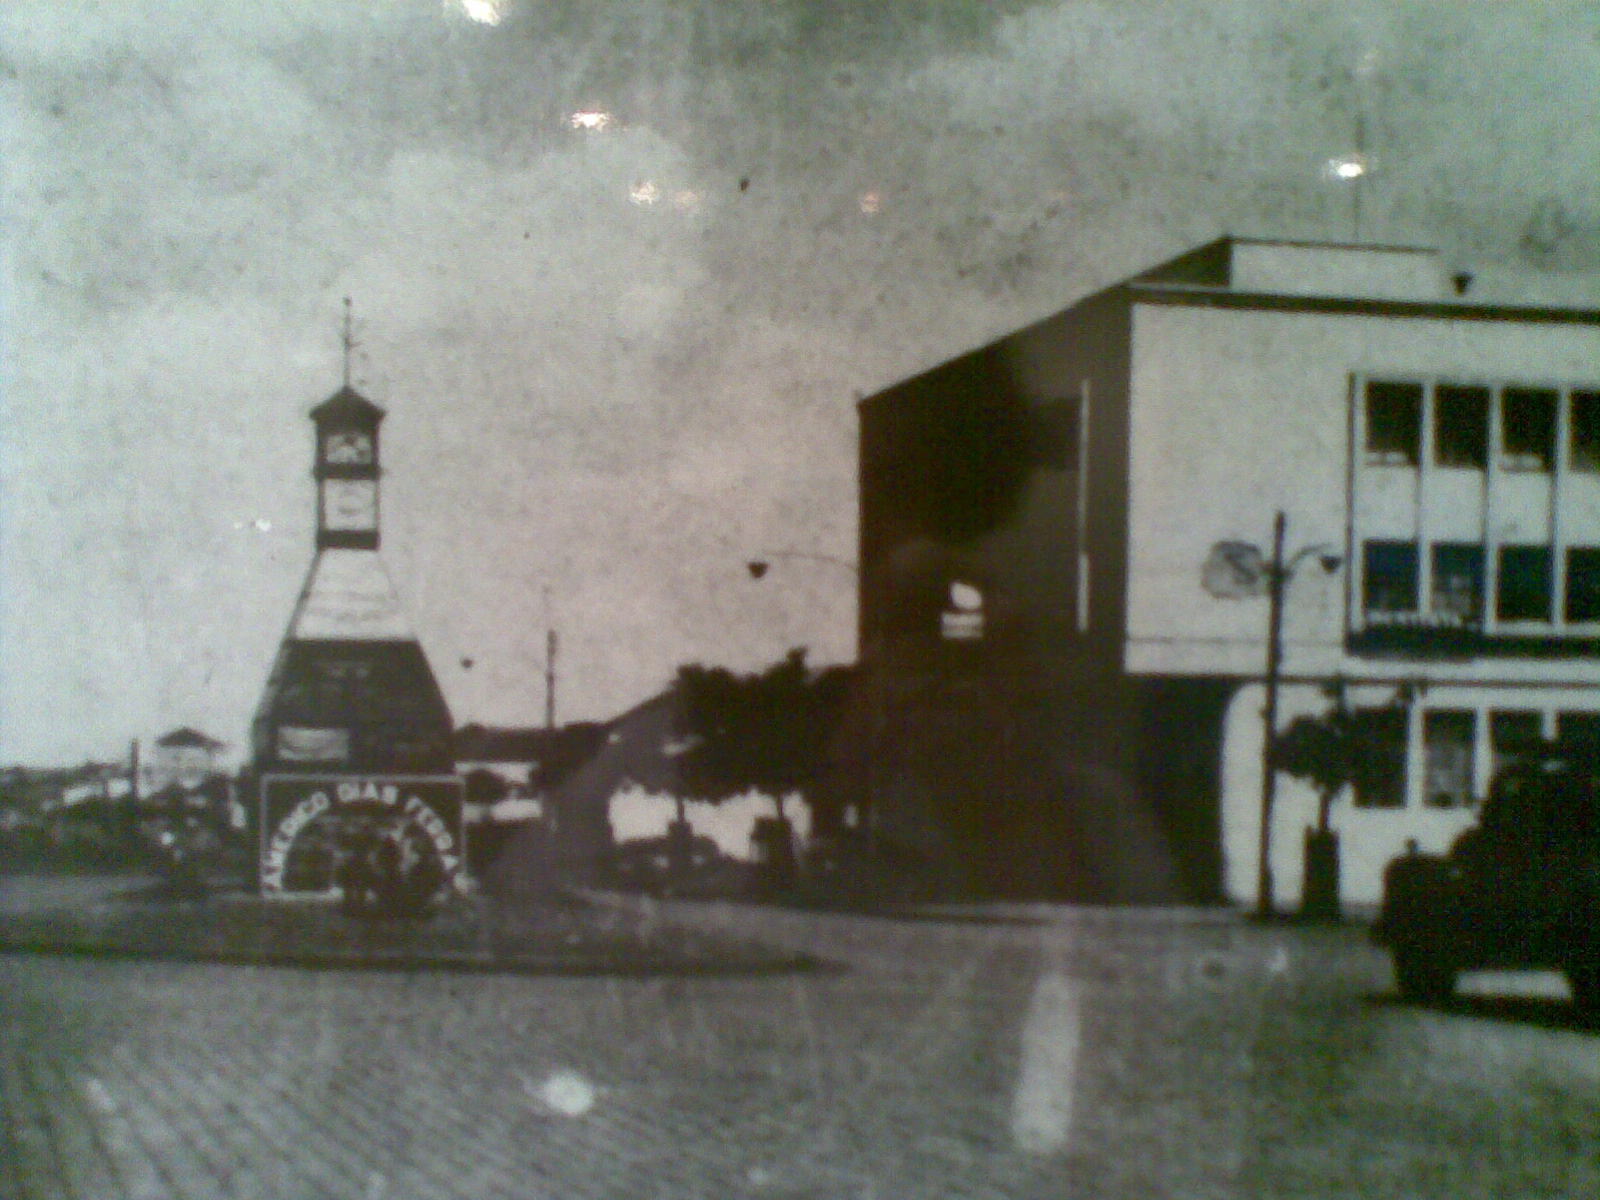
377,843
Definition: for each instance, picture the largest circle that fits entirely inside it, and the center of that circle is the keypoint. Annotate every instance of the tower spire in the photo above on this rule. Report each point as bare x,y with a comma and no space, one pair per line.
349,341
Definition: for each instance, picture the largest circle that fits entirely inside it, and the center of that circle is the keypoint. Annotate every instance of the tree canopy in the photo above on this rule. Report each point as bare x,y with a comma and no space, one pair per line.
768,732
1342,747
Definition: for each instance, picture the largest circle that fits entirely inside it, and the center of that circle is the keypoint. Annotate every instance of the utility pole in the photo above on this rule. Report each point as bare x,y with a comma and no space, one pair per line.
1235,570
1276,578
550,679
551,645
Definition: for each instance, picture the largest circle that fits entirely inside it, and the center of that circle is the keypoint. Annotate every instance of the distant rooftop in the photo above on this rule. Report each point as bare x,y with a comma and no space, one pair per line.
1294,275
1285,268
186,737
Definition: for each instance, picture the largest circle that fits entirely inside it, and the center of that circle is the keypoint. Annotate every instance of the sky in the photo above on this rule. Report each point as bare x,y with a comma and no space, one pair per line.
619,274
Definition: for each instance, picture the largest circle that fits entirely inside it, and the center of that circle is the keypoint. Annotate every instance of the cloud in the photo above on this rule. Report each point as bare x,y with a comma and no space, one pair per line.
143,178
618,360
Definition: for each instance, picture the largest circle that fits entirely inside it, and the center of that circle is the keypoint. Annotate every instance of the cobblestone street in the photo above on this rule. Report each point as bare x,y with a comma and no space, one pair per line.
1091,1054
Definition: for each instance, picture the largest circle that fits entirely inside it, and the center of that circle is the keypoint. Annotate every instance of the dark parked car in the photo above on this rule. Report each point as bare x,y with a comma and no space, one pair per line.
1520,890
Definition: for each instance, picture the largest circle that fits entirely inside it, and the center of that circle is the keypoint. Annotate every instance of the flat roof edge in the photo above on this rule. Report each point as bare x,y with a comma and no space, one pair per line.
1313,244
1214,297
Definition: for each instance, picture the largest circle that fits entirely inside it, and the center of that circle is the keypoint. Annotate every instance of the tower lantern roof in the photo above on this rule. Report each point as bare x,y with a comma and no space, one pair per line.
347,407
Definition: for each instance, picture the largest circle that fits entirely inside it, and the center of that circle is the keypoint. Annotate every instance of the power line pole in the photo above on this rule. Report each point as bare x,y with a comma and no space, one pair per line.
551,645
1276,578
550,679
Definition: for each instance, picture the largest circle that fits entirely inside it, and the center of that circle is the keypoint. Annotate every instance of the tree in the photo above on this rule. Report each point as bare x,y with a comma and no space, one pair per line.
765,732
1320,751
1338,749
1341,748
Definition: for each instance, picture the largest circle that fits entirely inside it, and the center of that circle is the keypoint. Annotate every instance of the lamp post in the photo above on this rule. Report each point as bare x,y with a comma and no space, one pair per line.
1278,574
758,568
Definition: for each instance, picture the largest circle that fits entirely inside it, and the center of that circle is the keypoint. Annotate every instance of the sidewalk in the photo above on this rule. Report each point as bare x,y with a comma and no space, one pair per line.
601,933
130,917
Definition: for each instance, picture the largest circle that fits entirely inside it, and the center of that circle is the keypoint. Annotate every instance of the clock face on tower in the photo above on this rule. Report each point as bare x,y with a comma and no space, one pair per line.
349,504
347,447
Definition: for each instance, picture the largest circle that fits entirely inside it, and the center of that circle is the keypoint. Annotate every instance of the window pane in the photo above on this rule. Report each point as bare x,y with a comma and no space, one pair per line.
1524,584
1512,735
1586,431
1458,581
1461,426
1528,428
1394,423
1380,780
1389,577
1447,759
1583,584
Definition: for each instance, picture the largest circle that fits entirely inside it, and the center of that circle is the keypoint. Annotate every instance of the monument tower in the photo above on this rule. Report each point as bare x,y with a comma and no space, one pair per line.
352,739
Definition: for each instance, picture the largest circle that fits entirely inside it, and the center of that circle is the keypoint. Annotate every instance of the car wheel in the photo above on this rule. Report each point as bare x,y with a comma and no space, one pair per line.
1584,980
1423,974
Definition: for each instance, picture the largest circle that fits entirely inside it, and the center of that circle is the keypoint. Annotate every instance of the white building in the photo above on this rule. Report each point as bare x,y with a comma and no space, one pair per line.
1439,452
184,759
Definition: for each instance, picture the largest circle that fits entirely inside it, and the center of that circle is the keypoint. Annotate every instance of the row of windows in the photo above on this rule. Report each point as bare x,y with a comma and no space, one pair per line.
1524,581
1461,417
1450,746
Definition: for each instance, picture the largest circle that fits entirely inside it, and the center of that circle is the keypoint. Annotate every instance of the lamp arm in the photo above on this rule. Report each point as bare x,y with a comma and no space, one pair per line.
1321,549
808,557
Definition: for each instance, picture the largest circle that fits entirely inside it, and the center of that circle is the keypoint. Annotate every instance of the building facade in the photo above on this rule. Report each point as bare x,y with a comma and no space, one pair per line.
1096,494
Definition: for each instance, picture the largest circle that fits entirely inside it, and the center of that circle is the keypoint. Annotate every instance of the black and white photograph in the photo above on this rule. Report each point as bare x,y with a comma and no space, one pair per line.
799,599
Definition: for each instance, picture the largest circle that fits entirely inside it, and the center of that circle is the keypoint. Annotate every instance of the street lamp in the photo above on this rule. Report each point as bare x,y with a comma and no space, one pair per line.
758,568
1278,574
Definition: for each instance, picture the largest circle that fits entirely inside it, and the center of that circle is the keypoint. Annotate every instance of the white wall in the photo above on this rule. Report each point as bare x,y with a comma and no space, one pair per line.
1238,413
1310,270
636,813
1369,837
187,766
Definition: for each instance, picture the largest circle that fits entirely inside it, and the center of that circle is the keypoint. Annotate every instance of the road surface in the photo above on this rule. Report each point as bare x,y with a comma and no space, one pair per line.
1085,1053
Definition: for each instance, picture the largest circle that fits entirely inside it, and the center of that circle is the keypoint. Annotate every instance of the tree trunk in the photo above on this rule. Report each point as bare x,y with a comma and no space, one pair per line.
1324,810
1320,890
